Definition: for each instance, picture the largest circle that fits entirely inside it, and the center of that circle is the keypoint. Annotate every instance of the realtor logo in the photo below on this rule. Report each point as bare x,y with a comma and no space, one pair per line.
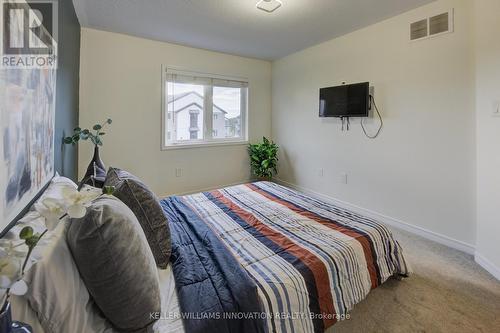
29,34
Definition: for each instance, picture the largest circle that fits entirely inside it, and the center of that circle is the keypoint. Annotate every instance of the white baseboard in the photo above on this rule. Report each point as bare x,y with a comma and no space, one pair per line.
487,265
428,234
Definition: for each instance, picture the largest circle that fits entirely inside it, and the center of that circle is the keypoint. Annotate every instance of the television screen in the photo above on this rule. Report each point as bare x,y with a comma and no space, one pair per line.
350,100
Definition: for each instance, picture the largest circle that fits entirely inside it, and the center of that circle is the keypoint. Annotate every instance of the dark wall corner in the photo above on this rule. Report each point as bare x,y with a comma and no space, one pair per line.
68,86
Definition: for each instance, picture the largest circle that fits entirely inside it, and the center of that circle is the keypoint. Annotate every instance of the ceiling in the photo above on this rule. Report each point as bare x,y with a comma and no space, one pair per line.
237,26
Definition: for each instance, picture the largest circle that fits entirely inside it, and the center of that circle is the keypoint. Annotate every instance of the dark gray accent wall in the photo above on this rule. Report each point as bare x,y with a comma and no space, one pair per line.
68,82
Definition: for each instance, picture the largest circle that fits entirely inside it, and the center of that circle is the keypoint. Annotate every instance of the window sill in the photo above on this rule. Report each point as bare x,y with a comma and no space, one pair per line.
204,144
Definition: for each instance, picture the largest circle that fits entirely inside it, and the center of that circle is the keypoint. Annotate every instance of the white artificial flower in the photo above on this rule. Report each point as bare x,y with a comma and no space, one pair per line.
78,200
6,247
10,270
77,211
52,210
19,288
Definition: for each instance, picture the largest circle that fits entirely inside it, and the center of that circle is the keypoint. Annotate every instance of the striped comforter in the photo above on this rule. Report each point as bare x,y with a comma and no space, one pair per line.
263,248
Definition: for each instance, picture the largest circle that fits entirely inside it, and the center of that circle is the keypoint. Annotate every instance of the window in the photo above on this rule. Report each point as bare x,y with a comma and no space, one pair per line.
203,109
193,120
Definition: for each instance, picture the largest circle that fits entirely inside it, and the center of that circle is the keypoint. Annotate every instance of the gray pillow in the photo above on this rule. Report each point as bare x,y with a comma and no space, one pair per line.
116,264
144,203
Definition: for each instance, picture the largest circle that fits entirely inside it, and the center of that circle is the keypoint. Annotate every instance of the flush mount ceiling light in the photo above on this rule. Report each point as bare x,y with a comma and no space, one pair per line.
269,6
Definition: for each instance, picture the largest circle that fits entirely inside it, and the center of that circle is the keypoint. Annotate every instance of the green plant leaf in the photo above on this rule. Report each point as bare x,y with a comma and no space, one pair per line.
97,127
109,190
77,129
68,140
109,121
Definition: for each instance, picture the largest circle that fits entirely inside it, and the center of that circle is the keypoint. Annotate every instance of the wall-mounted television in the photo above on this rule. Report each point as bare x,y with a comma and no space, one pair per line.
348,100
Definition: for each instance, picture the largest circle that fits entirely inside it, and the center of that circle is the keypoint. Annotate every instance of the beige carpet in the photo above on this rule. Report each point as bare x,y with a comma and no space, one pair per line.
448,292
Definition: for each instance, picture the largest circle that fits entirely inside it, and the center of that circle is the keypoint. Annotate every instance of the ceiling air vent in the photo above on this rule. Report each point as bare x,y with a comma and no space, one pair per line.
439,24
432,26
418,30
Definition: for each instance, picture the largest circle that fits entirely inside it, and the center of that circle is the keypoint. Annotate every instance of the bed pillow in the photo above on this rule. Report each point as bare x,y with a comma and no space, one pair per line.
56,293
116,264
144,203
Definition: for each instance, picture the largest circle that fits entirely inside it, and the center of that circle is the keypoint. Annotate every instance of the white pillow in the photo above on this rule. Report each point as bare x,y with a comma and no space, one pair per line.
56,293
33,219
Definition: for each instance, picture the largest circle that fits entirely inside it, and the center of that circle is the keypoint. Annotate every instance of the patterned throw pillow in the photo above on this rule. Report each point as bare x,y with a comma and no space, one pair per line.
116,264
144,203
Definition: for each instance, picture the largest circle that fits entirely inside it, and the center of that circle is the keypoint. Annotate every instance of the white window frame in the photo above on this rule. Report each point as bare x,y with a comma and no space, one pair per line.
207,112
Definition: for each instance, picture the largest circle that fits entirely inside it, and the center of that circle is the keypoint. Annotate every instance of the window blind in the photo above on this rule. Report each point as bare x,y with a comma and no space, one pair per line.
205,79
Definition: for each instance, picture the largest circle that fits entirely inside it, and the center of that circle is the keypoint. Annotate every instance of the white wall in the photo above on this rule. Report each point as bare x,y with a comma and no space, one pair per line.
421,170
487,31
121,78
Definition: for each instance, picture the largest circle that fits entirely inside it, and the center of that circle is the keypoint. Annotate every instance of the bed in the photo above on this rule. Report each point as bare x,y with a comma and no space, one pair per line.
256,257
266,258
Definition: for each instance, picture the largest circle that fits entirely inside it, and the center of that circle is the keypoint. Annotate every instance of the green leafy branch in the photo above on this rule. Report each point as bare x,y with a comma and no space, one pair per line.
95,135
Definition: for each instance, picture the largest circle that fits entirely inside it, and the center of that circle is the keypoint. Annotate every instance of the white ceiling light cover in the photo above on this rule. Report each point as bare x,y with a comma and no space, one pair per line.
269,5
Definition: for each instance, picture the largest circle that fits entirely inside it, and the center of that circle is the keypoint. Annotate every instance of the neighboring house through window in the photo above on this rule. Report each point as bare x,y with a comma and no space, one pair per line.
203,109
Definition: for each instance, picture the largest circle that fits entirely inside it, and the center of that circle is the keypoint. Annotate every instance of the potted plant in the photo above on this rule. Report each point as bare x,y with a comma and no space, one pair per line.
264,159
96,171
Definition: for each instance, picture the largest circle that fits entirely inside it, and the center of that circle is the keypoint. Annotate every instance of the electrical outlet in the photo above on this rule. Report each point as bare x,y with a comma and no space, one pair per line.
178,172
343,178
496,109
321,172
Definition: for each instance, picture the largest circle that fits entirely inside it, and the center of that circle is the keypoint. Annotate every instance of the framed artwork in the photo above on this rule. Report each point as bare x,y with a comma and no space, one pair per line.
27,127
27,135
